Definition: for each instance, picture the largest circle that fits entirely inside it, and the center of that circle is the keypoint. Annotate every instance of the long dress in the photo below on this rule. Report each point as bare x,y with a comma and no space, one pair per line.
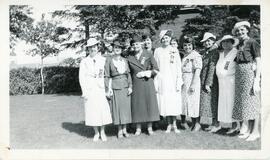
191,102
118,72
209,101
91,77
247,104
169,81
144,107
225,70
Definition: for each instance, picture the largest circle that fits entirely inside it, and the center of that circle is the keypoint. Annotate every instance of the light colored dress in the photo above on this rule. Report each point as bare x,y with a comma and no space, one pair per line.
225,70
91,77
191,102
168,81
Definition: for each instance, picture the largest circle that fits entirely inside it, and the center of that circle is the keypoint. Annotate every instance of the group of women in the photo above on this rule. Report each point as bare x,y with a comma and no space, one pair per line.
140,84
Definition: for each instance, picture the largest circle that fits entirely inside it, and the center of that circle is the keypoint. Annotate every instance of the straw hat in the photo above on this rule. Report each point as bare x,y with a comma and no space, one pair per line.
92,42
226,37
239,24
207,35
165,32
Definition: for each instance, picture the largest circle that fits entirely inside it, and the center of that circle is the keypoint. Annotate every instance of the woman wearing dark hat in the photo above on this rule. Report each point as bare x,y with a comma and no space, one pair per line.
191,68
119,88
225,70
247,85
91,77
169,80
143,68
209,81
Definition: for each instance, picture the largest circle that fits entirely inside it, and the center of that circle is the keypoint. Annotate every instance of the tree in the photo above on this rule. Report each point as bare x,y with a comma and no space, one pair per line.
123,19
220,20
45,38
20,23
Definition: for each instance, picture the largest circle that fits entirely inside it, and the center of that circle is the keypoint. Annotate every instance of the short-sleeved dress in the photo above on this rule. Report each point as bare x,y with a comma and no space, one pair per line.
119,73
247,104
209,101
191,102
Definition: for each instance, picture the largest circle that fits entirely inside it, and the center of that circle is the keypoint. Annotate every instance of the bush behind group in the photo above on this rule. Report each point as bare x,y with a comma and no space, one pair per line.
57,79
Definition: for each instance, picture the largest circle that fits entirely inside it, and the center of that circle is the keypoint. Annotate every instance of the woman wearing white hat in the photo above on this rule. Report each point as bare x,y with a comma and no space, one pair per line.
169,80
225,70
209,81
247,87
191,68
91,77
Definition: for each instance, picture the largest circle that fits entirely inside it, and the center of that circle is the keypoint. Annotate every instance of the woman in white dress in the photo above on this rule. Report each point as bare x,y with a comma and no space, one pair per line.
91,77
191,69
169,80
225,70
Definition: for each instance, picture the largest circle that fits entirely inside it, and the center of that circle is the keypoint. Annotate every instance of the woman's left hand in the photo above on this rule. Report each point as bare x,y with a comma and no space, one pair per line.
256,86
129,91
191,89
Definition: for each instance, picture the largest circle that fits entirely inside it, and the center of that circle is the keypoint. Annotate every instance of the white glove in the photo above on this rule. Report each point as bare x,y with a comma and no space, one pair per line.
140,74
129,91
109,93
147,73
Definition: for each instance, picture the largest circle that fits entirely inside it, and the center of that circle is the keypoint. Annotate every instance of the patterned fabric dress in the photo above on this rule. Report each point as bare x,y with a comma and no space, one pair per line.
191,102
247,104
209,101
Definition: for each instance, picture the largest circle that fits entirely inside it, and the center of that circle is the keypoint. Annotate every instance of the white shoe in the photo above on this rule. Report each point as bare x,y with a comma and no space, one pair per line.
138,132
103,137
215,129
96,137
244,136
176,130
253,137
169,128
150,131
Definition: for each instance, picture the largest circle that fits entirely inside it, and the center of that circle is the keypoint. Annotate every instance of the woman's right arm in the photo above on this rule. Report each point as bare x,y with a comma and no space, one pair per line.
82,79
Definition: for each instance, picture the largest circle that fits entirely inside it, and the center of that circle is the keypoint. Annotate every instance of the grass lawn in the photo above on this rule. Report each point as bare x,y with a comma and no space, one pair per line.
57,122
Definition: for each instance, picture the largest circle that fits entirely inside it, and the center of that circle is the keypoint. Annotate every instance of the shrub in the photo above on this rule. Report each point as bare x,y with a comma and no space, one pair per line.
57,80
24,81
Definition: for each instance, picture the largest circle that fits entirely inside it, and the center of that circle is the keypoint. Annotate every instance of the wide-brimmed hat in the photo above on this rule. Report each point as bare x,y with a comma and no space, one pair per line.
165,32
239,24
226,37
207,35
92,42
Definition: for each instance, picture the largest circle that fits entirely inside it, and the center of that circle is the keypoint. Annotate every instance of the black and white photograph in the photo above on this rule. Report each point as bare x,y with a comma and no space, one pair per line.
144,77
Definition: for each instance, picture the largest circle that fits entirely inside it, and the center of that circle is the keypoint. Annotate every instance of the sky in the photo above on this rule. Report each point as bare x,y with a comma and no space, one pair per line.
21,47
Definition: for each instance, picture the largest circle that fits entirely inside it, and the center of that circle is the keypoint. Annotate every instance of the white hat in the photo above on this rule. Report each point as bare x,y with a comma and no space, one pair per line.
207,35
165,32
239,24
226,37
91,42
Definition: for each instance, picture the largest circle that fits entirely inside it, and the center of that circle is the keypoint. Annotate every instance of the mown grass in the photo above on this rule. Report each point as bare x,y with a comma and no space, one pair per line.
57,122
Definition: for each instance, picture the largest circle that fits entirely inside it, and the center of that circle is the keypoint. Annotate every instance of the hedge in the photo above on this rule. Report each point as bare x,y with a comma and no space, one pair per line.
57,79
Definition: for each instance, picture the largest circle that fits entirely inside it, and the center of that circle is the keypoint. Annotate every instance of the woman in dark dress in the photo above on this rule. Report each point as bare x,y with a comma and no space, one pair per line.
143,68
118,86
209,81
247,85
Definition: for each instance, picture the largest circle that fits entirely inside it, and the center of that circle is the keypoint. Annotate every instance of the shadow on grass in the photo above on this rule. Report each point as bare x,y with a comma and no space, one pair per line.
87,131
